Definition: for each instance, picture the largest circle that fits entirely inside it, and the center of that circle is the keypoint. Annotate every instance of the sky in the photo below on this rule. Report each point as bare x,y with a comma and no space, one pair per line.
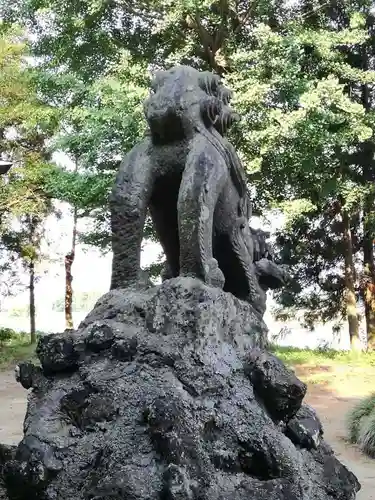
91,269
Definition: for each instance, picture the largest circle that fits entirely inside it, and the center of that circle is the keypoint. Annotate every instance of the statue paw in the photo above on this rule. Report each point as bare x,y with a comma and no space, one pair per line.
258,300
166,273
213,274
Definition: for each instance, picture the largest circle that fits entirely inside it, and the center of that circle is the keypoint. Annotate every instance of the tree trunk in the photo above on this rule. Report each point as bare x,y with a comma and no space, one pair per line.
369,274
69,259
212,43
367,160
350,296
32,301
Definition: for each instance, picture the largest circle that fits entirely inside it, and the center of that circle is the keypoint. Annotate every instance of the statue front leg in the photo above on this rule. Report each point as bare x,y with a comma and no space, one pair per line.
128,204
203,180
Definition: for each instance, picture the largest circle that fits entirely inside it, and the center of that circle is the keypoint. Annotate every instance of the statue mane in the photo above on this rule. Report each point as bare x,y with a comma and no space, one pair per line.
185,101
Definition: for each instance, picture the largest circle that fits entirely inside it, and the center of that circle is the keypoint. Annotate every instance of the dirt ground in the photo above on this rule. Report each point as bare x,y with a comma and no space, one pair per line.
332,411
12,408
331,403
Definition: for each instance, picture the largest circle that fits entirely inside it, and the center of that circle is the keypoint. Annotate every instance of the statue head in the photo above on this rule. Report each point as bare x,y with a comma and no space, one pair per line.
183,100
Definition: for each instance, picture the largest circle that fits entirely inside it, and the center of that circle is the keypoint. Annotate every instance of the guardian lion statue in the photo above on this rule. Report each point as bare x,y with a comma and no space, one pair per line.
189,177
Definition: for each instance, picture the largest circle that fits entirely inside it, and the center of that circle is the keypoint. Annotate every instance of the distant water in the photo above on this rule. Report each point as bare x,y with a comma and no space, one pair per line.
48,322
285,334
291,333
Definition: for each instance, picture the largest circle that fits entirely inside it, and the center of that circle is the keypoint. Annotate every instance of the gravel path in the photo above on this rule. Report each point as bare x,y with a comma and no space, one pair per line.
12,408
332,410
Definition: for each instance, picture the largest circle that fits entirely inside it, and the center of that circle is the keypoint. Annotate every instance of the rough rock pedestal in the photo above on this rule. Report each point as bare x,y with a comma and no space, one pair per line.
167,393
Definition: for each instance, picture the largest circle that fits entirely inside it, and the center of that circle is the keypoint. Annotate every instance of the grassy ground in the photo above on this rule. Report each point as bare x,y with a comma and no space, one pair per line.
16,350
293,356
343,373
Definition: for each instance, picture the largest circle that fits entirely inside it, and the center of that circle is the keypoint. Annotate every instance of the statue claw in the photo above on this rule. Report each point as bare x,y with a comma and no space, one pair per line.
213,274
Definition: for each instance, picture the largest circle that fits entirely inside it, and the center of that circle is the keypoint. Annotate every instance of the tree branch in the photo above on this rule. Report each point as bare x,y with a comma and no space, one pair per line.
244,19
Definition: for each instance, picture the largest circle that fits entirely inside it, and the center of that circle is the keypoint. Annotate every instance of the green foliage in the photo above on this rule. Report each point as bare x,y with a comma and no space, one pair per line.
25,125
102,120
6,334
312,245
307,141
360,423
16,350
87,37
366,439
28,188
295,117
20,108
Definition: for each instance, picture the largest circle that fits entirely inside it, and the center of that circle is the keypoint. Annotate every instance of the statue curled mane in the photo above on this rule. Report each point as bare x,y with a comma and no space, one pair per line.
195,102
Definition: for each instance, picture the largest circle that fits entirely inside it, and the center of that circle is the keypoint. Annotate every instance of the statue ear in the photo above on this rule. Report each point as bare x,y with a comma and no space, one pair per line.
159,76
209,82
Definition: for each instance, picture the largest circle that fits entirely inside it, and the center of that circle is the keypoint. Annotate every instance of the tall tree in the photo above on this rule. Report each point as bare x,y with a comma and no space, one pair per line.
300,128
69,260
301,84
356,72
23,235
25,125
25,242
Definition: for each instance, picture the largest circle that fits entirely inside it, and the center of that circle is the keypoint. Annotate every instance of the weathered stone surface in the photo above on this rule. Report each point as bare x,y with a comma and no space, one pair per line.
28,375
162,406
57,353
6,455
305,429
280,390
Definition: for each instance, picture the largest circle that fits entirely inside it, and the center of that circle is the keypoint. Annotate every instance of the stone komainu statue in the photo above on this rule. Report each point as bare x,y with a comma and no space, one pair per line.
147,400
190,178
